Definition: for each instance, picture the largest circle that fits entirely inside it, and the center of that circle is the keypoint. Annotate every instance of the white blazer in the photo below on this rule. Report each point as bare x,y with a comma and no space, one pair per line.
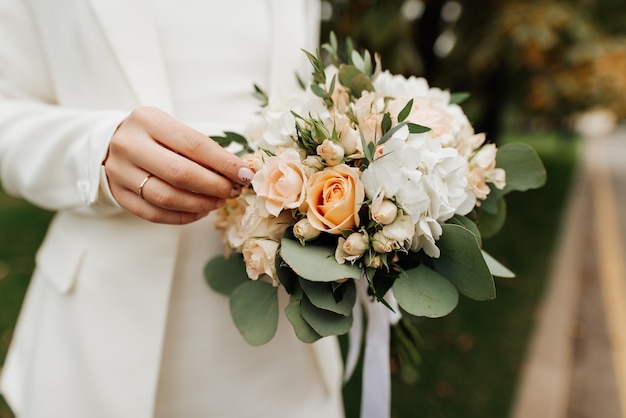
51,155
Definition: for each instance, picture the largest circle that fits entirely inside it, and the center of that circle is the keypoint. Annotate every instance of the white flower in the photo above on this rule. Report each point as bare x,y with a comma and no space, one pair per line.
427,231
400,230
260,257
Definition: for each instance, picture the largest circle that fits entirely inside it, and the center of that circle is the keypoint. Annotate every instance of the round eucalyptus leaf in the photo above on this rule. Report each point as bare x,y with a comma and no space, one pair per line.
424,292
524,169
324,322
254,309
461,261
302,329
315,262
322,295
225,274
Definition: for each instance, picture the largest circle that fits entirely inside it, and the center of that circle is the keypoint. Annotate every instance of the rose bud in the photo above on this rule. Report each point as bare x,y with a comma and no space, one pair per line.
314,161
304,231
356,244
331,152
372,261
384,213
382,244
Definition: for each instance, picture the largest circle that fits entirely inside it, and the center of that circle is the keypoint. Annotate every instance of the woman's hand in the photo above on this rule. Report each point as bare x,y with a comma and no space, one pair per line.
163,171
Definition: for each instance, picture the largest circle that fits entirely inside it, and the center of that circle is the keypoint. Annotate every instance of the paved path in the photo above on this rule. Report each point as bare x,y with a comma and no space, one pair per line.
576,364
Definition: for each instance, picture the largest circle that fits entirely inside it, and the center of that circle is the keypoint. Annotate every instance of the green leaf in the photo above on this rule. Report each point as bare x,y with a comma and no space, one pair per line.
492,202
462,262
324,322
404,113
467,223
496,268
459,97
354,79
414,128
224,274
261,95
315,262
254,308
424,292
390,133
286,276
302,329
524,169
318,91
385,124
491,223
322,295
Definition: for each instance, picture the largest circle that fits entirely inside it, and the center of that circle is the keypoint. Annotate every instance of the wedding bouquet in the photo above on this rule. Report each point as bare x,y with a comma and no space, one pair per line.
371,189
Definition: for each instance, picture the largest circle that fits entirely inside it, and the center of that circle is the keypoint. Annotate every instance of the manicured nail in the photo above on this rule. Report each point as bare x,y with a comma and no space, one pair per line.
245,175
235,191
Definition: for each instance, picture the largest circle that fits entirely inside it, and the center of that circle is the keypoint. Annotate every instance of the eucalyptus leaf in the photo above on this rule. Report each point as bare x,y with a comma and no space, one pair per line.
325,323
496,268
302,329
524,169
462,262
489,223
254,309
315,262
424,292
286,276
322,295
468,224
347,73
492,202
359,84
224,274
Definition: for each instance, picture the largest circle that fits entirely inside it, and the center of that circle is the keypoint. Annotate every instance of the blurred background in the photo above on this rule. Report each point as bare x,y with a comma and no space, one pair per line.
548,73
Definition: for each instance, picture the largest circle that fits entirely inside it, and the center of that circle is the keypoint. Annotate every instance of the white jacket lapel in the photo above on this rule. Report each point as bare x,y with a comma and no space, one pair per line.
129,27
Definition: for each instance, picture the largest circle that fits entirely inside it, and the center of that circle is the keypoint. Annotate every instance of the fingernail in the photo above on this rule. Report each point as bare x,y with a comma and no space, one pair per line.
245,174
235,191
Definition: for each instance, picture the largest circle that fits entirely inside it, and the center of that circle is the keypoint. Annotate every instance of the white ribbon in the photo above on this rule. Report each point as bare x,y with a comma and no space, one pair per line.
376,391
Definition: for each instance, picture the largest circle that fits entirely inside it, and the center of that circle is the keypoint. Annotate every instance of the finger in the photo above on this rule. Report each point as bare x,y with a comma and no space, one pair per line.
138,149
198,147
163,195
148,211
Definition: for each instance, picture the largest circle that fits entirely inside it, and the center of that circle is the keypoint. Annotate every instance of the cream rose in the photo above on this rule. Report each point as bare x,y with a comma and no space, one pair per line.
334,198
281,182
260,258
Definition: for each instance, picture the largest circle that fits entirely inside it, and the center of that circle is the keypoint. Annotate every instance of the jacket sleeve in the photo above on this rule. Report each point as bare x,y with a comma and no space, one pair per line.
50,155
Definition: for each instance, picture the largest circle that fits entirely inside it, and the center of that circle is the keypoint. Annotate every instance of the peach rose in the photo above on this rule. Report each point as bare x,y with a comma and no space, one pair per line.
334,198
281,182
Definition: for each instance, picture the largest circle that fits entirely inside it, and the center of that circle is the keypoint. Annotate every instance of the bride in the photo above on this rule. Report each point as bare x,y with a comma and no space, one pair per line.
105,108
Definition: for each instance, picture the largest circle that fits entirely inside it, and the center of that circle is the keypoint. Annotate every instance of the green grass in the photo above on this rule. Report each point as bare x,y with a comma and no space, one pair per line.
471,358
22,227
